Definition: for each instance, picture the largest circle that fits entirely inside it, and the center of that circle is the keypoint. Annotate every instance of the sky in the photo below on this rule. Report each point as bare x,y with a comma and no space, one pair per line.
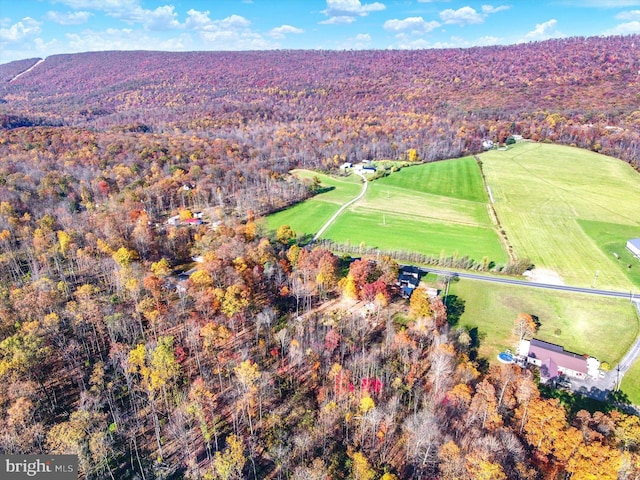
39,28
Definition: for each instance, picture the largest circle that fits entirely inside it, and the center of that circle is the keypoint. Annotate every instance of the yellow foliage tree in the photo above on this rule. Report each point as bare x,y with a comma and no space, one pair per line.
360,468
64,240
201,279
125,256
366,404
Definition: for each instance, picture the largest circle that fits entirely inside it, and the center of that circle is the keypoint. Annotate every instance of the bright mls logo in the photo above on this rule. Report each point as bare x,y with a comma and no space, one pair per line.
49,467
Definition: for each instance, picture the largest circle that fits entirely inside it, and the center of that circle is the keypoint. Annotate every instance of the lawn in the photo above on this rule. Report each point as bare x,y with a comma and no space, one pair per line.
391,231
457,178
437,209
545,195
308,217
580,323
612,240
631,383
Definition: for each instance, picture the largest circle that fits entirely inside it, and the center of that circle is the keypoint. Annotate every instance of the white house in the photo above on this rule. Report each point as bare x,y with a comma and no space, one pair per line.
634,246
346,165
553,360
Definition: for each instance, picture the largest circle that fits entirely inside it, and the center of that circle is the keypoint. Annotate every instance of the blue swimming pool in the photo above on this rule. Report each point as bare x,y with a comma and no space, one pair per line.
506,357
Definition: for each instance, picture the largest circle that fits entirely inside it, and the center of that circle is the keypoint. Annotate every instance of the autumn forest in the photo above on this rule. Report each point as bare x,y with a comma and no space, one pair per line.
151,324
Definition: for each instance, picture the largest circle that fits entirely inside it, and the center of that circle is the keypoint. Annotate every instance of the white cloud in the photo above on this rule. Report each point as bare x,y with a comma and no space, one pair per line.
468,15
24,29
407,42
279,32
341,20
490,9
123,39
69,18
162,18
361,41
339,10
231,33
197,20
602,3
624,28
462,16
630,15
544,31
488,40
233,21
414,24
100,4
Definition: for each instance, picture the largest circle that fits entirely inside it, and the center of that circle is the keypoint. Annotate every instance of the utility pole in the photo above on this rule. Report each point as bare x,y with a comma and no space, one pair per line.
446,292
595,279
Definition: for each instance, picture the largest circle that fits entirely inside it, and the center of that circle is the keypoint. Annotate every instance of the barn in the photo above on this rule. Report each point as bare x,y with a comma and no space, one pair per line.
634,247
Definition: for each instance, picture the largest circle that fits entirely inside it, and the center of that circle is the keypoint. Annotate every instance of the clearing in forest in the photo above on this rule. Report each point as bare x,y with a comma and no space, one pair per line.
307,217
438,208
568,210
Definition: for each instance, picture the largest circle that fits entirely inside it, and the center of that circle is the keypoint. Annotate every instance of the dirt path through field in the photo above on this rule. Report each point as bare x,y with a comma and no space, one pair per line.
342,208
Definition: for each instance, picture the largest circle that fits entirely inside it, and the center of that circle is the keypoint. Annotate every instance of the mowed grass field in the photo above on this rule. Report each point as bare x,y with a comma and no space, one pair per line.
437,209
308,217
568,210
599,326
631,383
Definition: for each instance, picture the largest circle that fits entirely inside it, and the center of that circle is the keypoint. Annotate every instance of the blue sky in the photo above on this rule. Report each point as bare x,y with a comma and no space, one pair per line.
38,28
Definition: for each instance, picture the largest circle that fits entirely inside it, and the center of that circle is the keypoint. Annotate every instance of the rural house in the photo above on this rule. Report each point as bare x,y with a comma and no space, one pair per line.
409,279
553,360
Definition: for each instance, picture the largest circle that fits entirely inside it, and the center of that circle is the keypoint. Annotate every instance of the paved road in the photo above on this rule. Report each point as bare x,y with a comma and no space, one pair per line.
350,202
512,281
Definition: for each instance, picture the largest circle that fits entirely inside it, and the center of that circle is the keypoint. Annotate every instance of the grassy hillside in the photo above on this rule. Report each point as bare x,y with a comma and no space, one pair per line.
552,202
436,208
308,217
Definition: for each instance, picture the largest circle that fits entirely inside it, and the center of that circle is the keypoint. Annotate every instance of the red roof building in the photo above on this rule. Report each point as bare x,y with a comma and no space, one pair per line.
553,361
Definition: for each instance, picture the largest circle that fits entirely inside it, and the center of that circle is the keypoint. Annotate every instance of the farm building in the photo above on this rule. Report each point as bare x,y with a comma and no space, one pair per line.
487,144
346,165
634,246
553,360
365,168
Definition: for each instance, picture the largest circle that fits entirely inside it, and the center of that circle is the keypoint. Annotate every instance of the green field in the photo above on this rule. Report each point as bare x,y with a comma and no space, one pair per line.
437,209
308,217
567,210
580,323
631,383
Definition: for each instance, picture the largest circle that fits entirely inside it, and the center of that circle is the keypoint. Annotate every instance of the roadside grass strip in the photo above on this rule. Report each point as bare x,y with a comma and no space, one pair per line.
631,383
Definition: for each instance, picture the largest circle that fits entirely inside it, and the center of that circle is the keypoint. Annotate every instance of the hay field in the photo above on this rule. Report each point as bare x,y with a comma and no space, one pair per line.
567,210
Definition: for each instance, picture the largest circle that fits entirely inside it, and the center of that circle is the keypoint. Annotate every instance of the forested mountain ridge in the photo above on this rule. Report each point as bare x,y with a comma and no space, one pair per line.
360,104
